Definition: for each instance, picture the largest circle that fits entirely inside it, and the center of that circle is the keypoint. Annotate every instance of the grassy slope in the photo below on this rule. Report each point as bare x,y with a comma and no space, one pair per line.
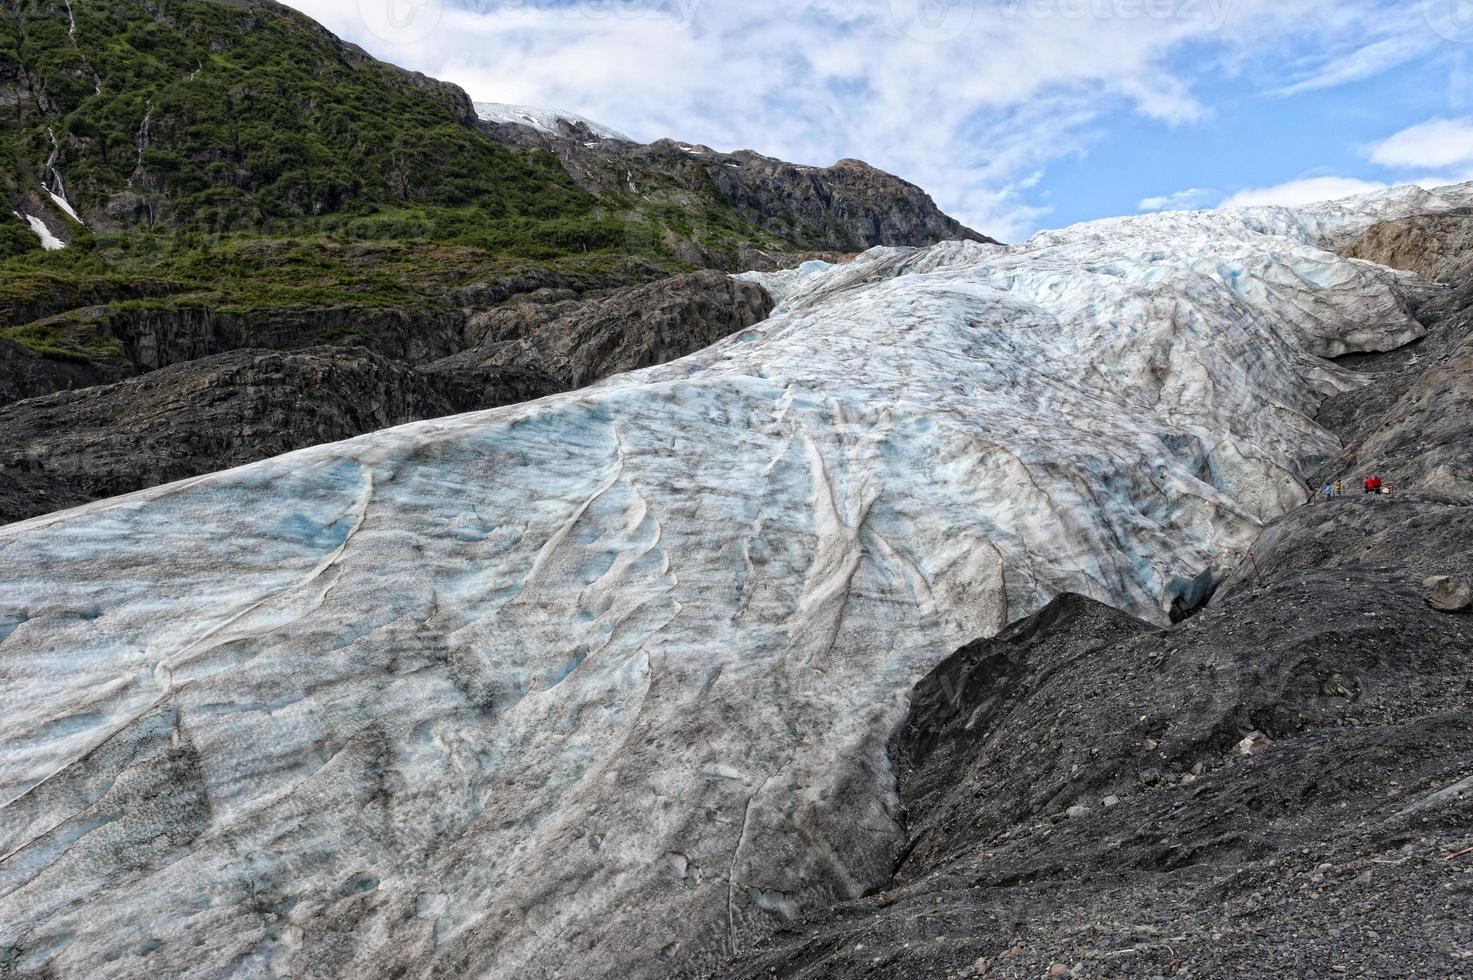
235,116
234,155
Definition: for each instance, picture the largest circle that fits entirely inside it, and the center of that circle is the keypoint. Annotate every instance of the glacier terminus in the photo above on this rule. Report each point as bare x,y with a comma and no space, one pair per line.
602,683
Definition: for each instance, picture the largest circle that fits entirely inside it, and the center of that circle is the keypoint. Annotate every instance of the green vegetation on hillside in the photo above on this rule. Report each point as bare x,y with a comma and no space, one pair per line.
227,117
247,118
16,238
73,336
57,303
232,155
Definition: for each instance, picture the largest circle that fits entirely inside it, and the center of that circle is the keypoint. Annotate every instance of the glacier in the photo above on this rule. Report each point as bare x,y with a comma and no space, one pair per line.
601,684
547,121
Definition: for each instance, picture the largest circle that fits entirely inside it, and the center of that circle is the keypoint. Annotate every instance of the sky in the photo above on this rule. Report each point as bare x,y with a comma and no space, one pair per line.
1015,115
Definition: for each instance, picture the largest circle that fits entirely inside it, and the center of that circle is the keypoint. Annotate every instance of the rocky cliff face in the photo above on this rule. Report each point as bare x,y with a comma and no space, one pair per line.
579,342
1437,247
223,411
153,339
1413,422
603,683
59,334
27,374
845,208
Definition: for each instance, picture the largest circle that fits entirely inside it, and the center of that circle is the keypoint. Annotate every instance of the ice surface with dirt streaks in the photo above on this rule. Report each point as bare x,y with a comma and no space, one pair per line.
600,685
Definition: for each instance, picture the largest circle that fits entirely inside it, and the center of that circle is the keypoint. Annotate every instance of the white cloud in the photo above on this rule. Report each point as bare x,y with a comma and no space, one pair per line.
968,105
1188,200
1433,145
1434,181
1364,62
1306,190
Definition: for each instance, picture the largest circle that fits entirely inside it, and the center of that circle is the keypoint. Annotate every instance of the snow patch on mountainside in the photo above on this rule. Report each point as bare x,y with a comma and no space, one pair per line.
600,684
48,240
65,205
548,121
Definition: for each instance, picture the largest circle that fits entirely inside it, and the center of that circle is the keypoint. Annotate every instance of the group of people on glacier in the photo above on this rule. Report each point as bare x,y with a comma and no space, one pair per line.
1374,484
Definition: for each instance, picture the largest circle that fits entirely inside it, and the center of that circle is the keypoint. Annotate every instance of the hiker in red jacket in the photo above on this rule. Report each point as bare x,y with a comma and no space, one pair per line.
1373,484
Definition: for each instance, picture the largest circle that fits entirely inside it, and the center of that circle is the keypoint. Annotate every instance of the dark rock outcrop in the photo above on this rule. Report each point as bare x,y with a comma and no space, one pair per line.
1413,425
27,374
26,493
1274,783
581,341
54,295
848,207
154,339
219,412
148,339
103,337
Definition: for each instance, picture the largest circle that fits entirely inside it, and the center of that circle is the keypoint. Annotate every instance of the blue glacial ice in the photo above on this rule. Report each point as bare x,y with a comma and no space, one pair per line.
601,684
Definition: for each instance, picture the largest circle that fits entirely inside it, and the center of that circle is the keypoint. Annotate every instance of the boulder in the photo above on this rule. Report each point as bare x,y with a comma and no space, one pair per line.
1448,594
1254,743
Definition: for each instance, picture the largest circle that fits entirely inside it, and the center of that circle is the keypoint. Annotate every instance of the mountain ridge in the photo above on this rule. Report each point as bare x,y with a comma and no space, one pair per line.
847,207
231,117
